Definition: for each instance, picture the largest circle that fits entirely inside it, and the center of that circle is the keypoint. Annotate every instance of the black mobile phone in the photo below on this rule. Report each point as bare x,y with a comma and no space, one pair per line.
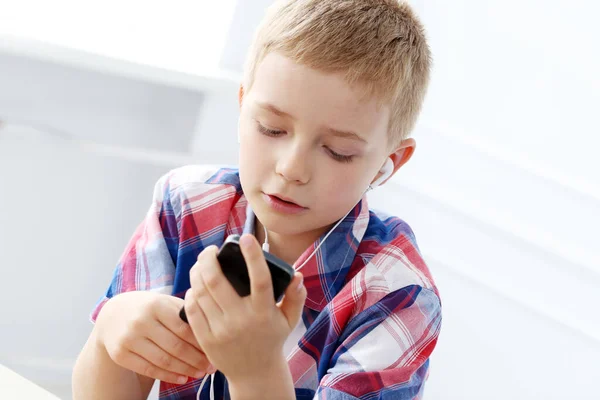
235,270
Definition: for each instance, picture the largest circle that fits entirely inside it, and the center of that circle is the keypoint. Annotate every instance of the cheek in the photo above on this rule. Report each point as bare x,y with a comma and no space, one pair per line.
341,194
247,146
254,162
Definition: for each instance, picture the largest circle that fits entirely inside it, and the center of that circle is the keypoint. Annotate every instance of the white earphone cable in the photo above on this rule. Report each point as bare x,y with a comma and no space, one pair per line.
325,238
265,245
201,386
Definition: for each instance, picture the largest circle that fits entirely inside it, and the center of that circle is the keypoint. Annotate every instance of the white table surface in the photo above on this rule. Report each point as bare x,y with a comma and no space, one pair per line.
14,386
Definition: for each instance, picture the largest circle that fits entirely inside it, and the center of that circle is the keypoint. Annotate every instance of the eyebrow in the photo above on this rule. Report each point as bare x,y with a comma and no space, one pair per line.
346,134
270,107
332,131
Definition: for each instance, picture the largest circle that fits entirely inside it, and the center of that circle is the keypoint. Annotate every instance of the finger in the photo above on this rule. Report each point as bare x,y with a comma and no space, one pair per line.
154,354
203,297
261,285
218,286
179,348
293,302
169,317
140,365
197,319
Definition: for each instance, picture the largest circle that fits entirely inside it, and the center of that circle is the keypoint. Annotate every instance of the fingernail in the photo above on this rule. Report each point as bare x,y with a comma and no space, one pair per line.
299,288
246,241
212,248
182,379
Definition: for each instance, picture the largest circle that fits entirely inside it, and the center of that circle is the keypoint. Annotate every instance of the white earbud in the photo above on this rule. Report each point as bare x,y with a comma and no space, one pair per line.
386,171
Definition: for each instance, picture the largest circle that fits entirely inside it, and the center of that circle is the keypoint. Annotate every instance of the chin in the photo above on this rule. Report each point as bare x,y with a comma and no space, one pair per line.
281,224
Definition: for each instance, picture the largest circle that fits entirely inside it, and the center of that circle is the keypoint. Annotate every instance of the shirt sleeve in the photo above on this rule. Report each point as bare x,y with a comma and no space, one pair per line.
148,262
384,352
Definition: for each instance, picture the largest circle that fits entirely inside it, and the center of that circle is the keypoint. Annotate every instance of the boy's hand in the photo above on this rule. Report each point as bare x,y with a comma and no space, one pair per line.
242,337
141,331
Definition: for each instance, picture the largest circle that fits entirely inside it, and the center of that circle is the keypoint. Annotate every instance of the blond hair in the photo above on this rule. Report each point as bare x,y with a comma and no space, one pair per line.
378,44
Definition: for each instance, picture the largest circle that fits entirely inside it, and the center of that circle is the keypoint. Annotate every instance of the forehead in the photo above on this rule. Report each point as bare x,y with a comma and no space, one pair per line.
317,96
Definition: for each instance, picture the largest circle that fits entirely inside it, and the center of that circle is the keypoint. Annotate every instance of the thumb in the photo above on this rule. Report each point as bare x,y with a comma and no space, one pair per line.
293,301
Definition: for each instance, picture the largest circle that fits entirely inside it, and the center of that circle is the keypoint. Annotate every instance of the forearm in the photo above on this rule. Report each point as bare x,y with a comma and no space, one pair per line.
97,377
274,384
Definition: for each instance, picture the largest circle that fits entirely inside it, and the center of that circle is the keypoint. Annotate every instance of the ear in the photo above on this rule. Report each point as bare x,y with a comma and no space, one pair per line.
402,154
241,95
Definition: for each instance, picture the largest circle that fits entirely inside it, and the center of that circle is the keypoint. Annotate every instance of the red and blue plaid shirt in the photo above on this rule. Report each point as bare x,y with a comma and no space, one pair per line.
372,314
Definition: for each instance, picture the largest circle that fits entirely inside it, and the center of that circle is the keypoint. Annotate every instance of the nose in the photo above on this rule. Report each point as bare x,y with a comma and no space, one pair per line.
294,165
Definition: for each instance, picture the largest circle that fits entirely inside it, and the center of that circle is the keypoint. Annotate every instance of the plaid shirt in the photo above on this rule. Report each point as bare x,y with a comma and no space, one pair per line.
372,314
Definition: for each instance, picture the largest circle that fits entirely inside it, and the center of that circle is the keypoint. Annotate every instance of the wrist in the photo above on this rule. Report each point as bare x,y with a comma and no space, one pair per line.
97,344
274,381
100,332
103,321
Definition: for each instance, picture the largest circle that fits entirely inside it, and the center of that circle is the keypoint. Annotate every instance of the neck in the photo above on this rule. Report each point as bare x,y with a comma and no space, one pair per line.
288,247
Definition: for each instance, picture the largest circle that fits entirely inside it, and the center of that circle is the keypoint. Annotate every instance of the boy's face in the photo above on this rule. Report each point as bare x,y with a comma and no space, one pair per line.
307,137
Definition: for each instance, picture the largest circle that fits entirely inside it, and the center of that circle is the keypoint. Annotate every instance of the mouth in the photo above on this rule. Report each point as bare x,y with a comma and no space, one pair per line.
284,199
283,204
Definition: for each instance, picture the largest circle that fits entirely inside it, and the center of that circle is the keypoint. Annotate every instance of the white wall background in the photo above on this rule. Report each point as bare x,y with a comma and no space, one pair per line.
503,192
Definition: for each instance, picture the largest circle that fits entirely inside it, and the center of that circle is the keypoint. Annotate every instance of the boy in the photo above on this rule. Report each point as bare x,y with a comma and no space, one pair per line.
331,91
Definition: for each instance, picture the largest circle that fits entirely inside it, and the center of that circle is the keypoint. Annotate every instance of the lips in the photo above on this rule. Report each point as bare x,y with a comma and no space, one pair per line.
286,199
283,204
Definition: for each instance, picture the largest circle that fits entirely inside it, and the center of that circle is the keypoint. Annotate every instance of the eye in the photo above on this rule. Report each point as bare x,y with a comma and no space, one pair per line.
339,157
268,132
